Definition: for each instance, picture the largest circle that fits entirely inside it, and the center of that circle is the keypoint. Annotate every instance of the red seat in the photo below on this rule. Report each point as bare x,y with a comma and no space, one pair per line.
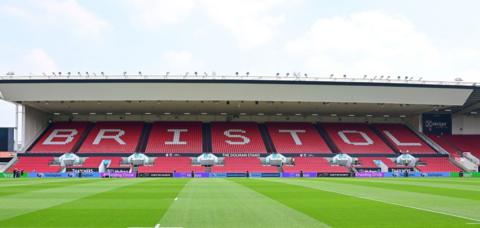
465,143
296,138
95,162
113,137
61,137
242,165
236,137
403,139
356,138
175,137
314,164
436,165
171,164
35,164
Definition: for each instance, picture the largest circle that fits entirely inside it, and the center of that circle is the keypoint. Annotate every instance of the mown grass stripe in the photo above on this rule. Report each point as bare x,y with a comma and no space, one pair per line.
461,208
411,187
224,203
30,201
36,186
449,186
121,203
462,181
339,210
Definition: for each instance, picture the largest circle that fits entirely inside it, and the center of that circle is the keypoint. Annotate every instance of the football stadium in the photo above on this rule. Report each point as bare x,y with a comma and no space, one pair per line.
239,113
241,151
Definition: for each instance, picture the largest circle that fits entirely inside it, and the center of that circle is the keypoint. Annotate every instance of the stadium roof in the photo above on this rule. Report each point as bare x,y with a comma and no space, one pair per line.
197,94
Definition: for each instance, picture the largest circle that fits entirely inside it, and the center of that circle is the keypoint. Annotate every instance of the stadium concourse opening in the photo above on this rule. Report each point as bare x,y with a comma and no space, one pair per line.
238,128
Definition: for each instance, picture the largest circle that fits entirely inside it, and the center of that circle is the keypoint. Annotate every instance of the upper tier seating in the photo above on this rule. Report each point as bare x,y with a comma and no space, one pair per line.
356,138
35,164
296,138
236,137
170,165
403,139
242,165
175,137
462,143
113,137
441,164
444,142
314,164
61,137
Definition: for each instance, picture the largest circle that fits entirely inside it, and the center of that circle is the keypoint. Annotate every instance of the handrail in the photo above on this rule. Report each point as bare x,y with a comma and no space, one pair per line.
237,77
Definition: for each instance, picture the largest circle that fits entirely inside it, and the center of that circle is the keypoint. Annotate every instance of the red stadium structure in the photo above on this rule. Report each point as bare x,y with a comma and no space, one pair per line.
164,125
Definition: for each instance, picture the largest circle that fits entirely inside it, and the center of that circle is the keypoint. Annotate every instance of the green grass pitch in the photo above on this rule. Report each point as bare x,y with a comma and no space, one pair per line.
240,202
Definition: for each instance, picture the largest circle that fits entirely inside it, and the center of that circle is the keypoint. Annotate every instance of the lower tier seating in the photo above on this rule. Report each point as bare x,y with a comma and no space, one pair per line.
170,165
35,164
315,164
242,165
442,164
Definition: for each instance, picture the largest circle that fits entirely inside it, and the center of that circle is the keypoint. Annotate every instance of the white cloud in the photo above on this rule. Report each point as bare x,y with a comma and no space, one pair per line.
152,14
67,14
366,43
251,22
83,20
37,61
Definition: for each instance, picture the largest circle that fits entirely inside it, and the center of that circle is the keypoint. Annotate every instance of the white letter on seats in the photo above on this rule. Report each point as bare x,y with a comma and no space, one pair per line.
65,134
101,135
368,140
294,134
176,137
228,133
396,141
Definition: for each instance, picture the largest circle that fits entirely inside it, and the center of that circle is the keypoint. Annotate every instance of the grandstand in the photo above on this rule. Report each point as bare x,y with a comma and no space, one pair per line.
163,124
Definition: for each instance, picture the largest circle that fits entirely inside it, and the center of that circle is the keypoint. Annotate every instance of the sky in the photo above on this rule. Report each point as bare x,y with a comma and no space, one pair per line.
432,39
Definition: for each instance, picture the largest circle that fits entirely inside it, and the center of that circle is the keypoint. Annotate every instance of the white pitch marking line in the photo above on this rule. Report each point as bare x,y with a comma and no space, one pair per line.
156,226
397,204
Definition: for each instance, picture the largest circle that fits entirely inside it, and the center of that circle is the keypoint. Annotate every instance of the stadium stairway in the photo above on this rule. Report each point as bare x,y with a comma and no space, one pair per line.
83,137
382,136
333,147
146,131
207,138
267,140
426,139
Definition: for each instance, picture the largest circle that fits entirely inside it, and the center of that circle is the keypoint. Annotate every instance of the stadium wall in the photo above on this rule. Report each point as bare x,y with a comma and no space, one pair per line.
466,125
34,123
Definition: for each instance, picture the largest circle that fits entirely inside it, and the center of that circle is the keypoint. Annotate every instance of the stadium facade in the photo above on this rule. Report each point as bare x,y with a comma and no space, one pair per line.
165,125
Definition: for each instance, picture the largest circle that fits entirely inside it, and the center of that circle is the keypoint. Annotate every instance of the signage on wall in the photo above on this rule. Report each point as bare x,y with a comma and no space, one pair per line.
437,124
